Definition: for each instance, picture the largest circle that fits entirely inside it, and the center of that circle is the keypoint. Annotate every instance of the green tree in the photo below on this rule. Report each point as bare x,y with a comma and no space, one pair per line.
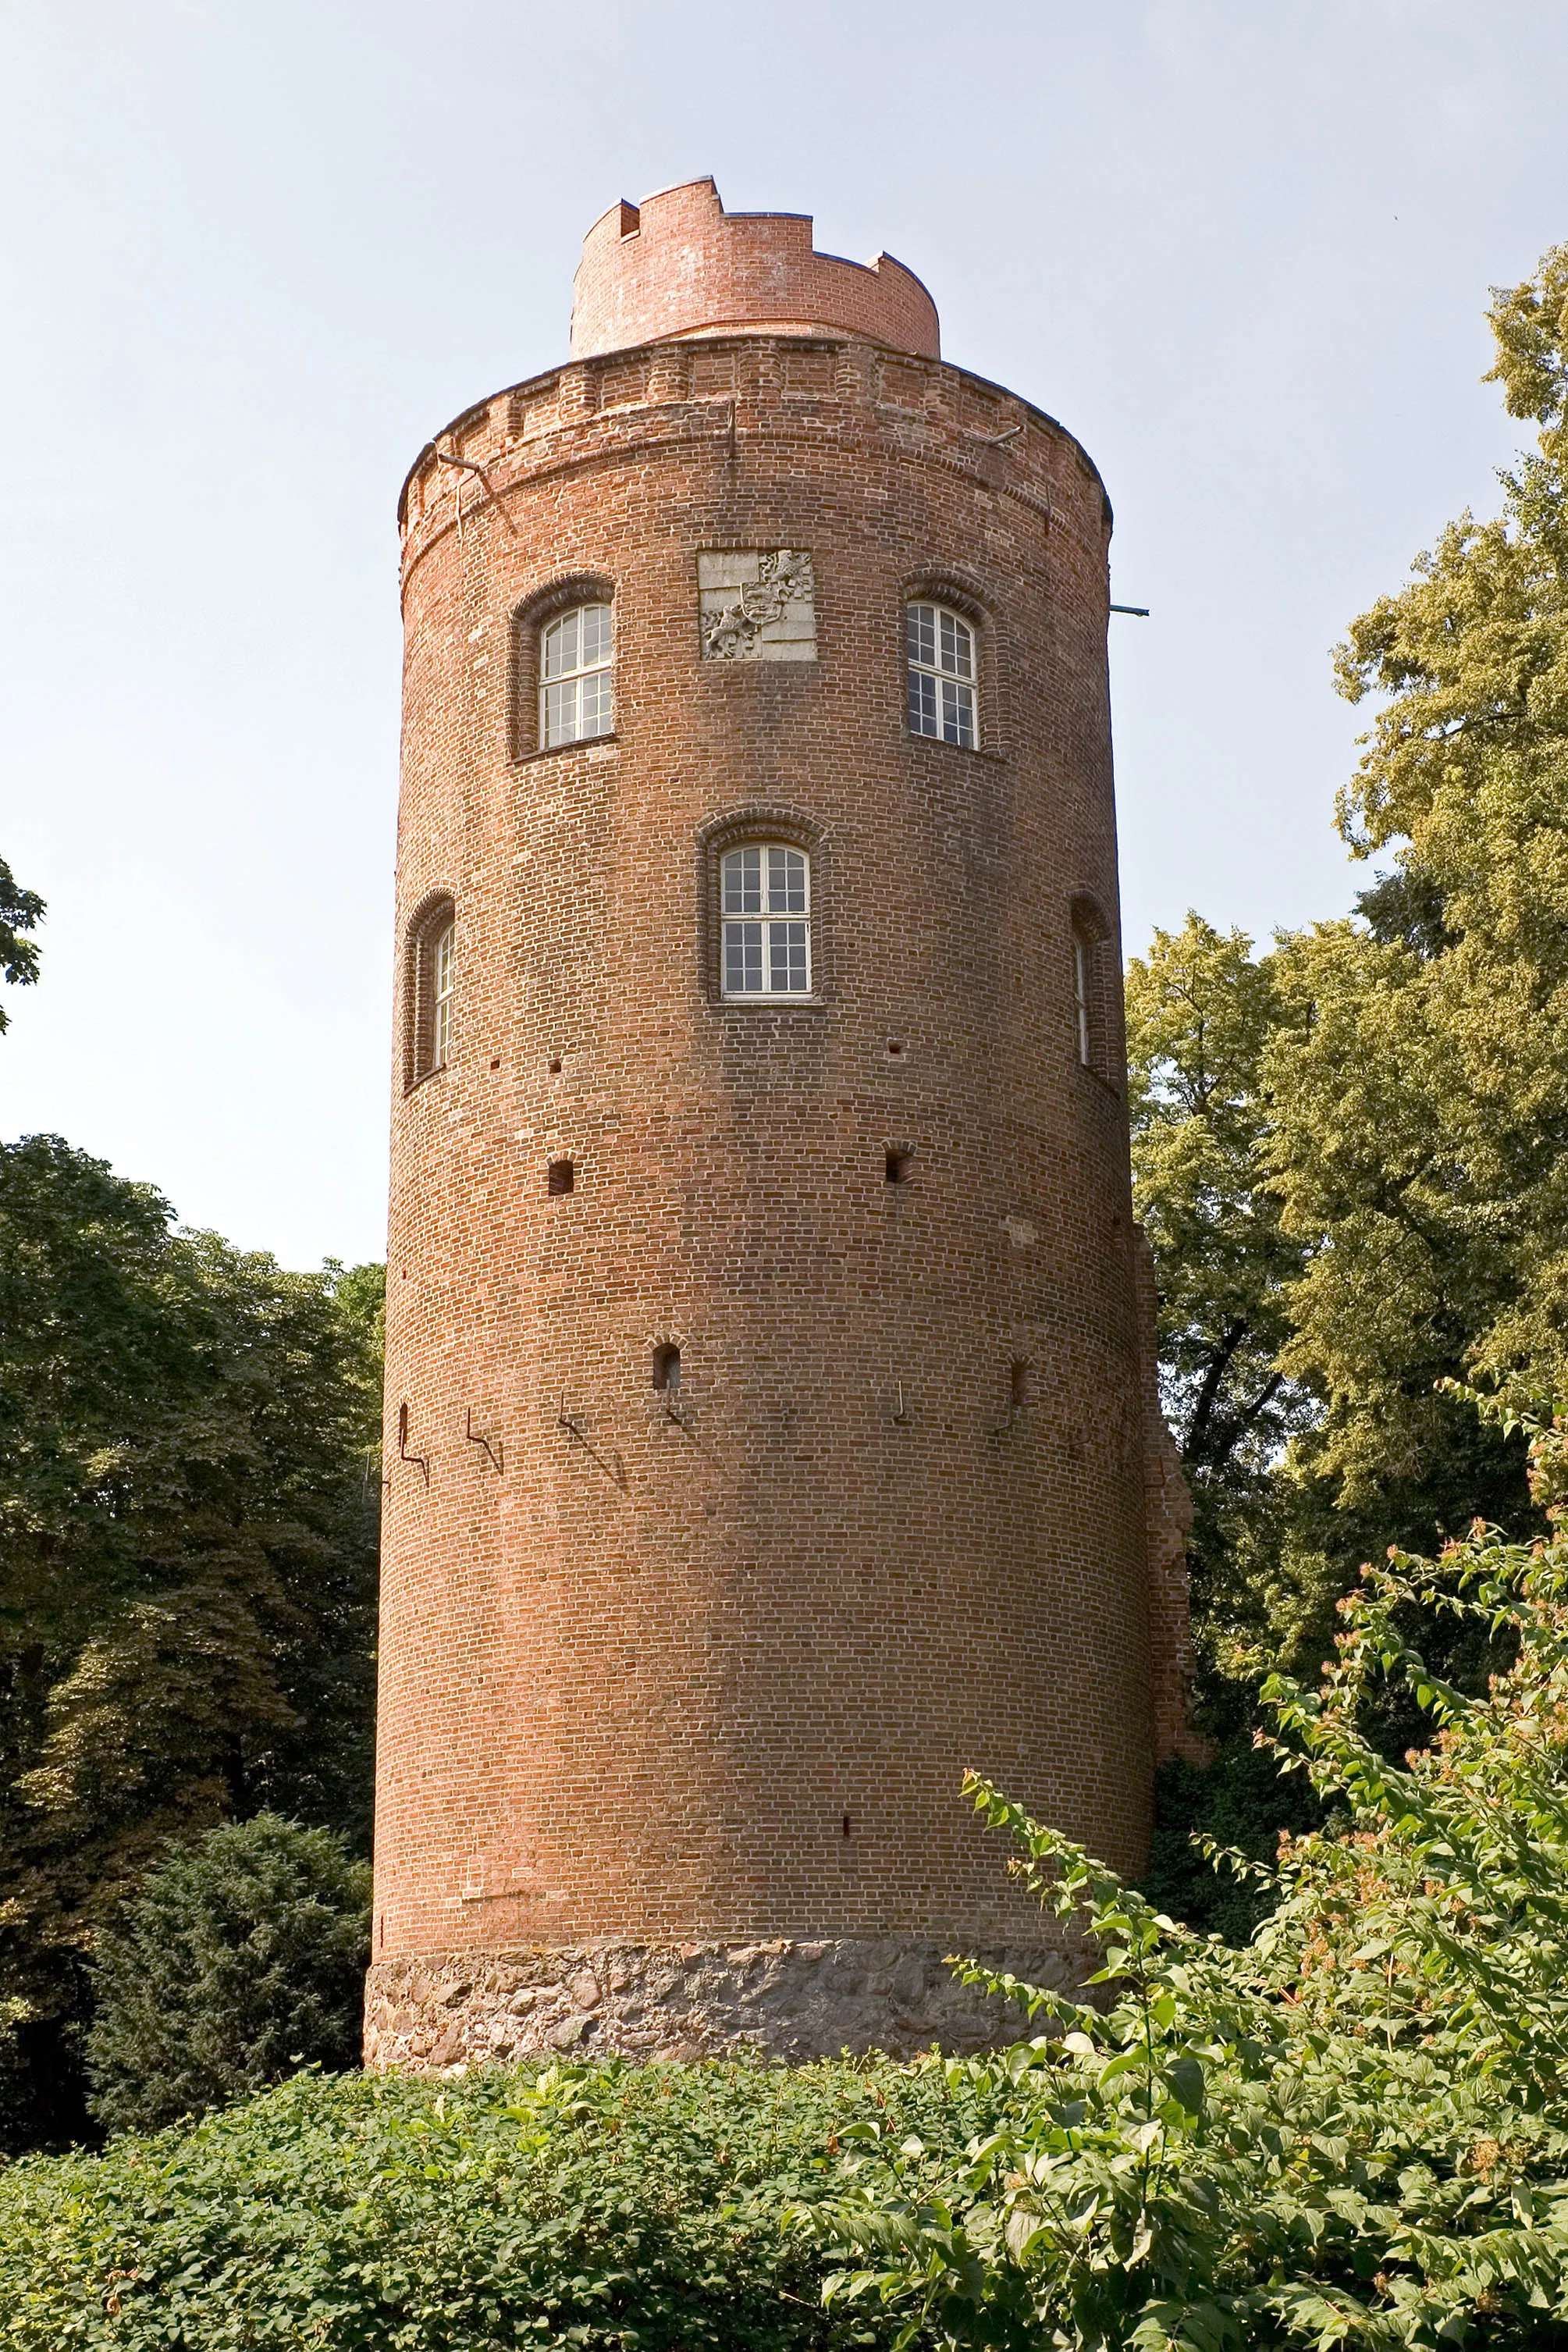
20,910
1201,1012
1420,1091
1350,1151
239,1959
188,1508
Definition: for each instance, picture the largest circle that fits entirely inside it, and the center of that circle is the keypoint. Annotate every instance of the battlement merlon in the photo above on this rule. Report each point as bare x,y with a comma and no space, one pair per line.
678,264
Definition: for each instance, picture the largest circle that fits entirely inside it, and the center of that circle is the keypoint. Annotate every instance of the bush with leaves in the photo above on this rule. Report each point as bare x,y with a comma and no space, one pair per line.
240,1960
1352,2131
606,2206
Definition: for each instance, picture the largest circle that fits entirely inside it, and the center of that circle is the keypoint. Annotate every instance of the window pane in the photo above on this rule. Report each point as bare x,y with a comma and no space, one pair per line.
786,882
561,711
441,972
742,958
577,698
560,645
922,633
595,647
787,957
957,712
594,717
743,882
957,647
923,703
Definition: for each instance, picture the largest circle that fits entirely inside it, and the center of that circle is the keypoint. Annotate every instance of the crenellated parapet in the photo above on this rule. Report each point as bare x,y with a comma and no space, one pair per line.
678,264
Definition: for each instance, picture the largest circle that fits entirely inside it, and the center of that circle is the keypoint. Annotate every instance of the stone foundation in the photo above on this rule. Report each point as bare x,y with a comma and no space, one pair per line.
780,2000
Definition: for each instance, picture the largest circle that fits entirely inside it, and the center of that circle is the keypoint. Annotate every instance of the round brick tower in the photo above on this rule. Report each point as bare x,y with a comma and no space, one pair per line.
771,1424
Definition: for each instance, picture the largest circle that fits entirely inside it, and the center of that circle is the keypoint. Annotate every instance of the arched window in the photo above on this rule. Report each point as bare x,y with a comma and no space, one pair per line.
940,666
765,914
430,980
576,698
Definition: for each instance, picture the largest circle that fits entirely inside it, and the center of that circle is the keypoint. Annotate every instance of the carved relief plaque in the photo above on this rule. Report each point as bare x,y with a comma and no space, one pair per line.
758,605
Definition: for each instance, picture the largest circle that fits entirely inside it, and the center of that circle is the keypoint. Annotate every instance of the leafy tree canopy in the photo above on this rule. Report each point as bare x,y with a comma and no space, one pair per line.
1201,1014
187,1556
1418,1091
1349,1150
20,911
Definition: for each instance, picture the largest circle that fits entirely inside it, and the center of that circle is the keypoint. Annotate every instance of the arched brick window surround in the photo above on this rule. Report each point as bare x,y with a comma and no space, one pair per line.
732,831
434,916
528,623
1090,975
965,595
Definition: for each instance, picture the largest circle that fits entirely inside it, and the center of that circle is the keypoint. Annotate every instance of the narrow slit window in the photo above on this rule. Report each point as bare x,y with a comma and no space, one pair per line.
560,1177
939,648
667,1370
765,903
1083,1002
430,991
576,691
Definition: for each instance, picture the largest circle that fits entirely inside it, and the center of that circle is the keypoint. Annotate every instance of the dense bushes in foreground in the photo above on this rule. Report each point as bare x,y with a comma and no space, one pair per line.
603,2205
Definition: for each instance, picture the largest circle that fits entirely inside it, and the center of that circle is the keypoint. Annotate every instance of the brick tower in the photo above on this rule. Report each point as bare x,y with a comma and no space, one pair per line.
771,1425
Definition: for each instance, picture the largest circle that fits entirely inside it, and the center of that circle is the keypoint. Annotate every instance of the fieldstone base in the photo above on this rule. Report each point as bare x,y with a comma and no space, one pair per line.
779,2000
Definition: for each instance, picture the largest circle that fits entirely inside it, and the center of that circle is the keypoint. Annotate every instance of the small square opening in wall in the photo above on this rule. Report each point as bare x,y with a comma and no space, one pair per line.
560,1177
898,1166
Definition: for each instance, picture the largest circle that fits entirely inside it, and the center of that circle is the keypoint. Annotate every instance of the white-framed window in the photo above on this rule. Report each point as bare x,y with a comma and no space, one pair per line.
576,695
940,666
765,920
430,976
443,970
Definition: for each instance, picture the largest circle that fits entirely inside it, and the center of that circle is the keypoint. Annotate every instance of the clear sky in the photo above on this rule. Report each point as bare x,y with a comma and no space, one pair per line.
257,253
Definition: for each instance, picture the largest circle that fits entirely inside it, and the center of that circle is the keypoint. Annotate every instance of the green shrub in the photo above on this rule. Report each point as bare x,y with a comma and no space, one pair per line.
1352,2131
241,1958
609,2205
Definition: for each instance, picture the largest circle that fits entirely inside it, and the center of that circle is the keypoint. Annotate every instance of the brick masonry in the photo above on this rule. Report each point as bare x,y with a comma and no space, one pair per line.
701,1676
679,264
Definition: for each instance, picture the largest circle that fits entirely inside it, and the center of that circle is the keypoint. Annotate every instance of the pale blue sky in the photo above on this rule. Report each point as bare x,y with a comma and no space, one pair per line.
256,255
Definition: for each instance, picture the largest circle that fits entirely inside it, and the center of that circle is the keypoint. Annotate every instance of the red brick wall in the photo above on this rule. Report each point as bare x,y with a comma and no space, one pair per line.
679,261
635,1681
